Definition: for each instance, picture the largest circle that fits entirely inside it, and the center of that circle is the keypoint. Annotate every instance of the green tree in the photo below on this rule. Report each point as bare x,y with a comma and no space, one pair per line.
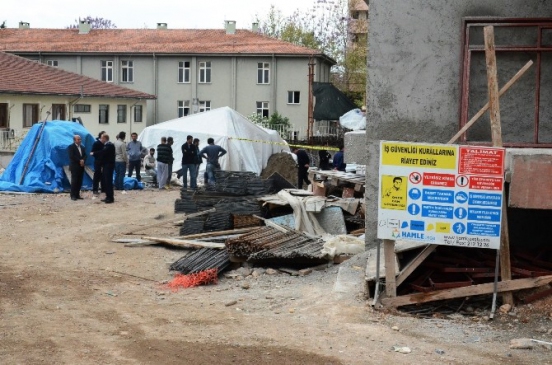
276,122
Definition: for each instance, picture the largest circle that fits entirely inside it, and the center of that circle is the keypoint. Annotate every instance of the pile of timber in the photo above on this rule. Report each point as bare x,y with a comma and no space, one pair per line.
201,260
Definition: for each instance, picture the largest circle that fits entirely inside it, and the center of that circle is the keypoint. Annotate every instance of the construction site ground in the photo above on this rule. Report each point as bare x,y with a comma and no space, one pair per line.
69,295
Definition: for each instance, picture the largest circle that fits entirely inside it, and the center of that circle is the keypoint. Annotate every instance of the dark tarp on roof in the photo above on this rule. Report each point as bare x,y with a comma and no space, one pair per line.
330,102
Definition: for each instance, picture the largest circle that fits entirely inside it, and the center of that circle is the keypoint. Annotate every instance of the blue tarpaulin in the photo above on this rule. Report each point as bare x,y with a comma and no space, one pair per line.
45,169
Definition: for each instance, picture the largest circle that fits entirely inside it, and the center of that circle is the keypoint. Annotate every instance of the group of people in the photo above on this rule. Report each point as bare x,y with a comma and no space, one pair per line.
112,159
303,163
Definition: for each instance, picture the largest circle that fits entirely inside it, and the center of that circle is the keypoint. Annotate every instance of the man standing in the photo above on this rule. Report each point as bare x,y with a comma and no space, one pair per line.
324,157
198,161
303,162
211,153
97,146
106,157
164,157
77,157
189,154
121,161
134,152
170,142
338,163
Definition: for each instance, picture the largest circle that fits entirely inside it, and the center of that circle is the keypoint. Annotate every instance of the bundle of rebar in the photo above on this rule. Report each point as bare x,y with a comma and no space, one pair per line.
185,205
201,260
192,225
218,221
254,241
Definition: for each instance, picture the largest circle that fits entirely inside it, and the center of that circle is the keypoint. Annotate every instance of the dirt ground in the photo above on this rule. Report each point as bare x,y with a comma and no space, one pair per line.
69,295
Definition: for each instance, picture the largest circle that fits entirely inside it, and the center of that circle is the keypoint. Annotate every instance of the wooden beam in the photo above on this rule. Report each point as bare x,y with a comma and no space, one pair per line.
486,106
218,233
389,257
412,265
466,291
185,243
496,132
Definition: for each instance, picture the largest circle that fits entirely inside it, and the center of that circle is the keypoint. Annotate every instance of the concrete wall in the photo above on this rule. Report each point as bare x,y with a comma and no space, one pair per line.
414,74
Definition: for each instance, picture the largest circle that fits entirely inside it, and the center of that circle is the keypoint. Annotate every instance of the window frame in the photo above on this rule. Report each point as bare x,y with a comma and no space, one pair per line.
127,71
263,73
106,70
138,114
204,106
183,108
106,110
262,107
121,113
205,72
33,116
294,98
52,63
82,106
184,72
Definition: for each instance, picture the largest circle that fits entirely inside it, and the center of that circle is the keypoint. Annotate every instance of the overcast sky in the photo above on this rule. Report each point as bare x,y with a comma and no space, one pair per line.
206,14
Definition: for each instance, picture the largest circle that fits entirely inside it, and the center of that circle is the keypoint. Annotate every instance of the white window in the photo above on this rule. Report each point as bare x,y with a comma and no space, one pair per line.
121,113
53,63
183,108
127,71
183,71
204,106
205,72
294,97
263,73
107,71
262,108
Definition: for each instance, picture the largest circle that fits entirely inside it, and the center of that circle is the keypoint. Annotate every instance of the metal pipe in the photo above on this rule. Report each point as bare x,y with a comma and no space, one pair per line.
495,284
376,290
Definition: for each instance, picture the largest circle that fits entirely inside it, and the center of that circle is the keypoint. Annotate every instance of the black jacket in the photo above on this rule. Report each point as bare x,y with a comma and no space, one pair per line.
164,154
106,156
302,158
74,155
97,146
189,154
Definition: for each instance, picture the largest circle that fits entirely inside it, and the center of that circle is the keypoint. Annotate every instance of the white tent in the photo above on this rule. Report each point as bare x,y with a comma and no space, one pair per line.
249,146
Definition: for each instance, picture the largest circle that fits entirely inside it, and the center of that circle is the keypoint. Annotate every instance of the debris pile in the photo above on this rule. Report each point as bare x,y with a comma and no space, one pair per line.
202,260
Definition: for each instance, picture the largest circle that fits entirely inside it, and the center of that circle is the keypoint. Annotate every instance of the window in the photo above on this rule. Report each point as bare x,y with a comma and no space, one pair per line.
3,115
53,63
121,113
82,108
30,115
294,97
127,71
184,71
58,111
104,114
205,72
263,73
204,106
183,108
262,108
138,114
107,71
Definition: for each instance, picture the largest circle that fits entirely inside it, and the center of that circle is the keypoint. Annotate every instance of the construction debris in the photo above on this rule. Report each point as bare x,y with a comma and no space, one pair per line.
201,260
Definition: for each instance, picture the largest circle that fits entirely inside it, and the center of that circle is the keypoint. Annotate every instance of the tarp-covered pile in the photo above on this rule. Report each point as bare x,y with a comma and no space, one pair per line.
45,166
249,146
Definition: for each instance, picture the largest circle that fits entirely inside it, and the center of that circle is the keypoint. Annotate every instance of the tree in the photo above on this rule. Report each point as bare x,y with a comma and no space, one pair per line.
327,28
95,23
276,121
3,25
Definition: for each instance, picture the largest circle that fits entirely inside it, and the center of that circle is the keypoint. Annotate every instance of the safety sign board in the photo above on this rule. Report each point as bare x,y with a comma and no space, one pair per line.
441,194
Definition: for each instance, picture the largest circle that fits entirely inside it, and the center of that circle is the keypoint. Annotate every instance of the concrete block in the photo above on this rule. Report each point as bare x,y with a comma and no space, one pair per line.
355,147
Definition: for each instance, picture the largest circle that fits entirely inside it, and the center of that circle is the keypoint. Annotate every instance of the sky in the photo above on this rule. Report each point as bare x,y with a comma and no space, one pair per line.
206,14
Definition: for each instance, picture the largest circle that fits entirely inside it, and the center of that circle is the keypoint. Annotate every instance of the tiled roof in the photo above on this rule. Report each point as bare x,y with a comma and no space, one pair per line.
22,76
172,41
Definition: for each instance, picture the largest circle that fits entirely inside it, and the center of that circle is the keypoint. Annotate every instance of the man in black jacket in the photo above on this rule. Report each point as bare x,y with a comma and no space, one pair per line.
97,146
106,159
303,162
77,157
164,158
189,158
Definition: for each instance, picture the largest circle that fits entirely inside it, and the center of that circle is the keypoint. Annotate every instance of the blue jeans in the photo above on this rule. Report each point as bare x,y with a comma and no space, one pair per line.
193,175
210,169
120,169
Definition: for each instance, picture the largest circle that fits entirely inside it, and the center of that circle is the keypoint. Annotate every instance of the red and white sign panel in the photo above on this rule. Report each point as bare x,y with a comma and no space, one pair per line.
481,161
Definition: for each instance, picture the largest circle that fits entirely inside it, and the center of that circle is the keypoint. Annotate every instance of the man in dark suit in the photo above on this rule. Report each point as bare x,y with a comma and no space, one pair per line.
106,158
97,146
303,162
77,157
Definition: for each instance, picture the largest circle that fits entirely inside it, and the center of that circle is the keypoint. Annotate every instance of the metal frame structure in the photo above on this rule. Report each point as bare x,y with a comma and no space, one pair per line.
540,24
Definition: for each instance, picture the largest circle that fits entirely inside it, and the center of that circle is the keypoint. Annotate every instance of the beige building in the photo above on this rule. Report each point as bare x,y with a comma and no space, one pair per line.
188,70
31,92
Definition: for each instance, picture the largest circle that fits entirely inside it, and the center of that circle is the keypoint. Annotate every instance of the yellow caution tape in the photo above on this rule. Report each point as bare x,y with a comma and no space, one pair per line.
307,147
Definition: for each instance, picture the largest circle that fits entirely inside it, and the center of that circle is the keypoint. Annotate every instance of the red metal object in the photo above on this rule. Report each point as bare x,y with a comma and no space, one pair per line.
539,24
536,296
